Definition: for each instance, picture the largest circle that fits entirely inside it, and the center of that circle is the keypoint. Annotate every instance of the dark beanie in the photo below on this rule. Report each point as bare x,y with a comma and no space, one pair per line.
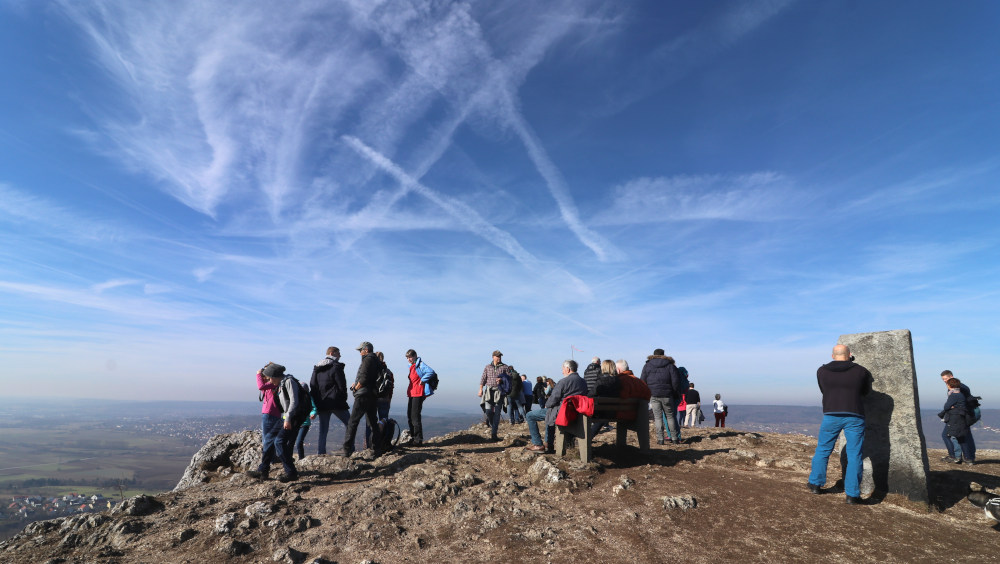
273,370
658,352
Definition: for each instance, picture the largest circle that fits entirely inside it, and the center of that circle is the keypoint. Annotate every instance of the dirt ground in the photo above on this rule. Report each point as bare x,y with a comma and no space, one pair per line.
725,496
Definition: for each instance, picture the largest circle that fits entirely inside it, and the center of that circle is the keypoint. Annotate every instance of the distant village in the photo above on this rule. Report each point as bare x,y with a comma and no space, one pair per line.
36,507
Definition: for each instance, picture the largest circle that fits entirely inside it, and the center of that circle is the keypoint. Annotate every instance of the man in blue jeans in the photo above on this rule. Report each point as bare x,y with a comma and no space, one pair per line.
843,385
572,384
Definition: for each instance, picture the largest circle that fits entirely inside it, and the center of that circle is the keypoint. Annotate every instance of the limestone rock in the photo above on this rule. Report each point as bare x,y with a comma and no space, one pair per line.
683,502
238,451
224,523
138,505
545,472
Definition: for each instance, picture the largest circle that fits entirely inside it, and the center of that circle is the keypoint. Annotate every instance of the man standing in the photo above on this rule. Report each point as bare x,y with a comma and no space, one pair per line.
591,375
970,403
660,374
365,402
843,385
571,385
528,393
693,406
328,388
491,394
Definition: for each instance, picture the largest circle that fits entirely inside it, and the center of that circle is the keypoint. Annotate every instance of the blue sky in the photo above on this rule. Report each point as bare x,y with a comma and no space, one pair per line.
189,190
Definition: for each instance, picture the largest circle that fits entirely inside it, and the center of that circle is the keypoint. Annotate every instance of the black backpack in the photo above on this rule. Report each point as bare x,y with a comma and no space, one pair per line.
685,384
303,407
384,383
390,433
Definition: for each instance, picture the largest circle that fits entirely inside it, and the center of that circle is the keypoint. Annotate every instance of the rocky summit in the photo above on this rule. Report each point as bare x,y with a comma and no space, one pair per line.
724,496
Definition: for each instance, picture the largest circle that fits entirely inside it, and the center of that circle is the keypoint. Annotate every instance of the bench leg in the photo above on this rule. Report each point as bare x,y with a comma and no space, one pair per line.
641,427
584,442
621,432
560,441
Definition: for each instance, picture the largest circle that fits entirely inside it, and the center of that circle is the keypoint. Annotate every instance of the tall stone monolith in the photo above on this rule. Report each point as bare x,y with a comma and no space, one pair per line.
894,439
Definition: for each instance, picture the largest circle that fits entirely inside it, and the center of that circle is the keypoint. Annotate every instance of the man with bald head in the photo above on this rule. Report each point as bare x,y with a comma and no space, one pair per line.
843,385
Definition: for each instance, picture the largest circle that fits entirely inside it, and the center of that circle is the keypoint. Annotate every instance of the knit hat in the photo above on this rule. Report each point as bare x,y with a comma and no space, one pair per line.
658,352
273,370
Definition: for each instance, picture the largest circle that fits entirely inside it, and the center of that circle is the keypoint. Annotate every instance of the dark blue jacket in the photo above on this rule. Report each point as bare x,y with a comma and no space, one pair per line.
660,374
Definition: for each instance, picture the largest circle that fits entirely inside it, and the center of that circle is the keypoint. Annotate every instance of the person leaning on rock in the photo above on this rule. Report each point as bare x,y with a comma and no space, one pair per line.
843,385
365,402
328,388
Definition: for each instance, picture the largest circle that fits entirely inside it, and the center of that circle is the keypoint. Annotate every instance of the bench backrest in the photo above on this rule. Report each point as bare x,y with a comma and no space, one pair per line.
609,407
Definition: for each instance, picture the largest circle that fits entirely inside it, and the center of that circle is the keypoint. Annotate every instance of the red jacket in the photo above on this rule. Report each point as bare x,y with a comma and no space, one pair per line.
572,406
415,389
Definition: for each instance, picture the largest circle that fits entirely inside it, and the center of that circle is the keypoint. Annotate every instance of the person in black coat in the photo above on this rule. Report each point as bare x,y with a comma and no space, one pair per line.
328,389
365,400
956,420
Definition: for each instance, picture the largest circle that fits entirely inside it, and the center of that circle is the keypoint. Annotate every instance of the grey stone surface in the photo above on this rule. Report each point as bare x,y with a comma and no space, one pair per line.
239,451
894,440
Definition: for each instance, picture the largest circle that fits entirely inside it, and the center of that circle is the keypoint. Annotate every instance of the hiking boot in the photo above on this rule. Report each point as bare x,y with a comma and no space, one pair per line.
814,489
951,460
659,442
284,478
256,474
851,500
947,458
535,448
967,461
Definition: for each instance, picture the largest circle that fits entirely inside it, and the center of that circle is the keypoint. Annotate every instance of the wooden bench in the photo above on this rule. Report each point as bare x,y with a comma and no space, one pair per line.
606,410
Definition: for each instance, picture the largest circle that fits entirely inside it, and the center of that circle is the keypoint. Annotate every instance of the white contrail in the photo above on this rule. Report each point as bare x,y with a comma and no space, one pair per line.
461,212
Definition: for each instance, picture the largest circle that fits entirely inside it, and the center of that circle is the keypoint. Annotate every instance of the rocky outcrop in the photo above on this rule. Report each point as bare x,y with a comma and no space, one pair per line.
462,498
234,452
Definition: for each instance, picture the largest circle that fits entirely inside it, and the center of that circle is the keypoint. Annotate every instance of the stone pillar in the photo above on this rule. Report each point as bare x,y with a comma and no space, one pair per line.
894,438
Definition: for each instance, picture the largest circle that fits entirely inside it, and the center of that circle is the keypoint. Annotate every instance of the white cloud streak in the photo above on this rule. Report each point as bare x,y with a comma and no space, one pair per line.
462,214
760,196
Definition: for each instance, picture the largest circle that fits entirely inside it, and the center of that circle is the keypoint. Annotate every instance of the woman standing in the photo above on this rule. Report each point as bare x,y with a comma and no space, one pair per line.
721,410
418,389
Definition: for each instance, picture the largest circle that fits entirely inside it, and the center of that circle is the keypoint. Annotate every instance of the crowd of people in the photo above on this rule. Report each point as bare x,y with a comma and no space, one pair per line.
289,407
675,402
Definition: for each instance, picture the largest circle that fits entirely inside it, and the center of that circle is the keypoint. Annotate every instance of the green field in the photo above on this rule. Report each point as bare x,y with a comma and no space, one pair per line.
87,457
